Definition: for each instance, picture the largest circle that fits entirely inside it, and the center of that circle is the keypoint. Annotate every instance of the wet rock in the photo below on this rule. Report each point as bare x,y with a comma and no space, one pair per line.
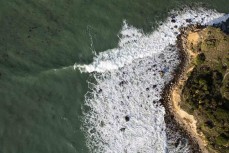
100,90
177,143
102,124
122,83
188,20
127,118
173,21
224,26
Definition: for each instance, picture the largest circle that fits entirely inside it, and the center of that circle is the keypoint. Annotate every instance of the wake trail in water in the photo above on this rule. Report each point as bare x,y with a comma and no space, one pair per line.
125,114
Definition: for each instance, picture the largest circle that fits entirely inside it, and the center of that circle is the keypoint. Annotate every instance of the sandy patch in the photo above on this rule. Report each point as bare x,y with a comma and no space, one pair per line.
188,121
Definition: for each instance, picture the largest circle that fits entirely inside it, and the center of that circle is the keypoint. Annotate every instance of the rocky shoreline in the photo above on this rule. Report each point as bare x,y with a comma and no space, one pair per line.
171,118
191,44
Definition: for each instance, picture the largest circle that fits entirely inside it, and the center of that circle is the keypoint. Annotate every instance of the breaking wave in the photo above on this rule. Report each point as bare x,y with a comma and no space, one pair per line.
125,114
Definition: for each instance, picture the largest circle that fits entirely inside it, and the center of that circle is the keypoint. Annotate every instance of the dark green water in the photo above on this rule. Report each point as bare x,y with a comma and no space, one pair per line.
40,108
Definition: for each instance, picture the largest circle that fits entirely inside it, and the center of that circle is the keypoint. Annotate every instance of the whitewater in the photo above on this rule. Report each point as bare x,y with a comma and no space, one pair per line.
124,113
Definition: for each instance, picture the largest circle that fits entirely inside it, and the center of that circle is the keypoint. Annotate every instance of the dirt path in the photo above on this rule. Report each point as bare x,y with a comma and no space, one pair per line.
186,120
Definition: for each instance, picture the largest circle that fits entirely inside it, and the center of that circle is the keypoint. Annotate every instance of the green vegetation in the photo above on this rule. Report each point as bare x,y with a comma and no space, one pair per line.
200,59
206,92
40,108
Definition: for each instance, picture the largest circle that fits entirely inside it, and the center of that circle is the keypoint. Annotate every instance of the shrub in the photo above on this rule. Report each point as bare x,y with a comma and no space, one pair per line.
222,139
200,59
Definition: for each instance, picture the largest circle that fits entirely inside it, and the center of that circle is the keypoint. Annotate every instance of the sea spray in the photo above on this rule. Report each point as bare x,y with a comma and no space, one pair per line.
125,112
135,44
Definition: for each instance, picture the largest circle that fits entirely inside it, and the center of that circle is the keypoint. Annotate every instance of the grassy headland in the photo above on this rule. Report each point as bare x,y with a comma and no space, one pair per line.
205,94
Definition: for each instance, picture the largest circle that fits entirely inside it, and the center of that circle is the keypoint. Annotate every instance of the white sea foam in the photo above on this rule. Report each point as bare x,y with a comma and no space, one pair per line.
135,44
125,114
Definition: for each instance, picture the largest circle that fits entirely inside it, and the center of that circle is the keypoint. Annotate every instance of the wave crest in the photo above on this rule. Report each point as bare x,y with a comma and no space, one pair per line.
125,114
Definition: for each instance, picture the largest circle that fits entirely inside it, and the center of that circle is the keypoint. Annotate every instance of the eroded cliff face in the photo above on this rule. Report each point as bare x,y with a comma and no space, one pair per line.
205,94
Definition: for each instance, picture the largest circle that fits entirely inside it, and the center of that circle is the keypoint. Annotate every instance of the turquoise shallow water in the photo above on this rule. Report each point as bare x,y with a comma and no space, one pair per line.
40,108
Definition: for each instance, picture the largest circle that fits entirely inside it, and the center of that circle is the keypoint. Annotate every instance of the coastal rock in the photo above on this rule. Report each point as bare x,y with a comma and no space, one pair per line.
224,26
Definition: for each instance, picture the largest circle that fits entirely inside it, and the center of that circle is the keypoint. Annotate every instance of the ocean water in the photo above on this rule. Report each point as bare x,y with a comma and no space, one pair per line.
43,105
129,83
